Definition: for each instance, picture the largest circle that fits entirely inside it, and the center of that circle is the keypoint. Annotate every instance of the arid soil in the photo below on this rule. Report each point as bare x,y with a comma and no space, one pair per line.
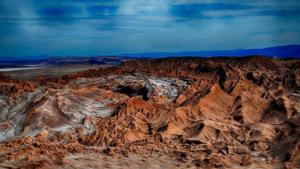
45,71
156,113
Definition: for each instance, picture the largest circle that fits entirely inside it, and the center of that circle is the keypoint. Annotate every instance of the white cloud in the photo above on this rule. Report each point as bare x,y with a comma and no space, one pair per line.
142,7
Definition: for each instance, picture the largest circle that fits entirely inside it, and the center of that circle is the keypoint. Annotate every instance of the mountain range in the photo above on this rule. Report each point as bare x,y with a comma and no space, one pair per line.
179,112
288,51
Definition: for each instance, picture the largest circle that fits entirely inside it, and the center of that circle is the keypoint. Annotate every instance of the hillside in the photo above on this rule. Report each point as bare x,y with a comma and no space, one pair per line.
156,113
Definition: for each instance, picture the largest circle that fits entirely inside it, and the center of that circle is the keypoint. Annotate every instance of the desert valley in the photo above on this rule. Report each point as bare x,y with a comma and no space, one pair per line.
155,113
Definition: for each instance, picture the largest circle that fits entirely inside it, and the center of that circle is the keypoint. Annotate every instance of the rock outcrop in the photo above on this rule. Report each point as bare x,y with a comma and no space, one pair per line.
195,112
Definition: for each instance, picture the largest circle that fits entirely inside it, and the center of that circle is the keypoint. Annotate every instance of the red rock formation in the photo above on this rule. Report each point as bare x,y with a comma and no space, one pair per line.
194,112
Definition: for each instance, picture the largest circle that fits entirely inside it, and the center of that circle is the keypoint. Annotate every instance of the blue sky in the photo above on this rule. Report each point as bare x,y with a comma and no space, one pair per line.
108,27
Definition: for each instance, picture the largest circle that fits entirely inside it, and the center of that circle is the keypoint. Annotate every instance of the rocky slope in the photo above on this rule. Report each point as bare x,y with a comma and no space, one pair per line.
158,113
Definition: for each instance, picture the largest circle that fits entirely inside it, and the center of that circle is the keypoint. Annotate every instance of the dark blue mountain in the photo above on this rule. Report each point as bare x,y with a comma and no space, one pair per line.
290,51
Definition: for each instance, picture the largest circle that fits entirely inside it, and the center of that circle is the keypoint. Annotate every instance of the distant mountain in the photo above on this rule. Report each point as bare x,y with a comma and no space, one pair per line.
290,51
52,61
84,60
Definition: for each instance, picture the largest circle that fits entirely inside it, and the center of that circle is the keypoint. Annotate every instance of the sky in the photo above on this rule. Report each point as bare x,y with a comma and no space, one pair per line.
110,27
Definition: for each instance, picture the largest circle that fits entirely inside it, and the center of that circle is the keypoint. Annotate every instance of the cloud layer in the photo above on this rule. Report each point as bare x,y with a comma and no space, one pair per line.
104,27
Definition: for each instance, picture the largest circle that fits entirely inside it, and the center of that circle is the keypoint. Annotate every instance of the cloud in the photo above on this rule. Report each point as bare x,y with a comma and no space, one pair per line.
144,8
196,10
89,27
227,10
278,13
59,12
99,10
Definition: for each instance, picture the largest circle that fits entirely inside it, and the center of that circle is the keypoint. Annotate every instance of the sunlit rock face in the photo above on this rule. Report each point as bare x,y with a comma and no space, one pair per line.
206,113
66,108
164,89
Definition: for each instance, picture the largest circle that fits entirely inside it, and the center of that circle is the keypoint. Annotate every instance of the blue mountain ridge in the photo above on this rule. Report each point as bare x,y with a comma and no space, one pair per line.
289,51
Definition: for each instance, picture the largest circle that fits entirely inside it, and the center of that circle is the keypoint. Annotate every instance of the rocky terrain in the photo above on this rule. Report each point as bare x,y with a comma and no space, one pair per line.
55,66
156,113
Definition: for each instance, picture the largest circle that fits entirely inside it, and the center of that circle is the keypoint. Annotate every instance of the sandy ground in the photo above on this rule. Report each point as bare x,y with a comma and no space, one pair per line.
29,73
91,161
